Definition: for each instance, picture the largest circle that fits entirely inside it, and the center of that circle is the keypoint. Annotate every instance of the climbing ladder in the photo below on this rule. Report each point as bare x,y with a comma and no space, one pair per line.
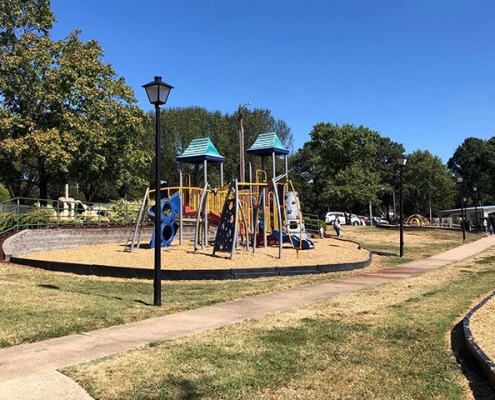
134,239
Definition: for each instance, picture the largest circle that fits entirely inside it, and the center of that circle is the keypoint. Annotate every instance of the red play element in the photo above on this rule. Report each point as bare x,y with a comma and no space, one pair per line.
213,218
270,240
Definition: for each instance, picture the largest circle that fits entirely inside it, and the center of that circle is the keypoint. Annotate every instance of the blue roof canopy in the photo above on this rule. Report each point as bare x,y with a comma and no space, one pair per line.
200,150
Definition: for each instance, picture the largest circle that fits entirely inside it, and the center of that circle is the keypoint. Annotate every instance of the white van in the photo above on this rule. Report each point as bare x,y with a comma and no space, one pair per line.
330,217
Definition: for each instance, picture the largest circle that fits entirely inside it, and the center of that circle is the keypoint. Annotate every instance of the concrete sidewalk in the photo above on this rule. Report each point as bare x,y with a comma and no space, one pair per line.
30,371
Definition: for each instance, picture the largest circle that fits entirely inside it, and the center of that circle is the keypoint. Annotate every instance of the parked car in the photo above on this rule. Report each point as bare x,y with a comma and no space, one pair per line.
330,218
361,221
366,220
379,221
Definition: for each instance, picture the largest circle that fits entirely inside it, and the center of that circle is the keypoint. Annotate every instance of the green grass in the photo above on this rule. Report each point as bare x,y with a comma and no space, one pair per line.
387,342
38,305
418,243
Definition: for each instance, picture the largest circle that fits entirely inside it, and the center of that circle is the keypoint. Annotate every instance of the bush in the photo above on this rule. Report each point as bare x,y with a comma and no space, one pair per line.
4,194
41,216
123,212
120,213
7,221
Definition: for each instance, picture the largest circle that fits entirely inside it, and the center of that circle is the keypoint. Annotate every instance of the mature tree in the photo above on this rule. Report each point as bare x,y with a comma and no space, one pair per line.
181,125
62,110
302,167
473,160
125,158
490,193
352,166
428,184
387,153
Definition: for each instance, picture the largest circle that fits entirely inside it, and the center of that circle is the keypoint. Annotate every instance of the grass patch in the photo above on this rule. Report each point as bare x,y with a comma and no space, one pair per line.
38,305
387,342
418,243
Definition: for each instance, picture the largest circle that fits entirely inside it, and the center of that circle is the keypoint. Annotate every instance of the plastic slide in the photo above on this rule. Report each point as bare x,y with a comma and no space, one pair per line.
305,244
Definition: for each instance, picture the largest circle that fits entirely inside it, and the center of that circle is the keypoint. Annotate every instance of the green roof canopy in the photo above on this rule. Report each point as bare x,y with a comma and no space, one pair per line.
200,150
266,144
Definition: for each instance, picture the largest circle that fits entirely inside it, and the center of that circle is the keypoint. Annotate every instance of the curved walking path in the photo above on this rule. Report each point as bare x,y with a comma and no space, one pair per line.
29,371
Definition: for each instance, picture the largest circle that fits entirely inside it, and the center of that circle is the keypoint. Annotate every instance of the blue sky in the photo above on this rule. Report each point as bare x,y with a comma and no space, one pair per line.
421,72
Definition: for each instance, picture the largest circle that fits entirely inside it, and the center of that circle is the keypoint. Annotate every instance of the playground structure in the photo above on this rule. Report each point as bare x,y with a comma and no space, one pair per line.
264,211
417,220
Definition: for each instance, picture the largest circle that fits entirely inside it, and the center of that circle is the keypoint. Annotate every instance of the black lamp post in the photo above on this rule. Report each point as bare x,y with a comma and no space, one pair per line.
157,92
401,160
475,190
459,181
242,163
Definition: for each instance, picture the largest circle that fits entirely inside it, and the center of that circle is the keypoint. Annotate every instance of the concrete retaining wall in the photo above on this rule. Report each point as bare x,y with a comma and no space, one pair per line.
34,241
487,365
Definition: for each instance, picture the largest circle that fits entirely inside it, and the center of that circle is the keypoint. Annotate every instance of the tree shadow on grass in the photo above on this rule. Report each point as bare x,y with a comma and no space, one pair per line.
53,287
479,384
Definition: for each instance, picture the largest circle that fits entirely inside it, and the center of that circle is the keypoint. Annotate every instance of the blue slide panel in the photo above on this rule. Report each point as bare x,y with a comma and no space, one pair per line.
170,208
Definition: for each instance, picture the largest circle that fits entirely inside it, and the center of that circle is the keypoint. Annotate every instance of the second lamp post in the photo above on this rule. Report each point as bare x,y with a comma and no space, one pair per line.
463,225
401,160
475,190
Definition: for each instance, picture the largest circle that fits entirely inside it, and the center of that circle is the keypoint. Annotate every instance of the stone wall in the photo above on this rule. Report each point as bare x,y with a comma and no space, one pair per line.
34,241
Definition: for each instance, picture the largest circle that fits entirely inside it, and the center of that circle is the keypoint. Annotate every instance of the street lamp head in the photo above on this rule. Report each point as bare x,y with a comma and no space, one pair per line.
401,160
475,188
158,91
459,179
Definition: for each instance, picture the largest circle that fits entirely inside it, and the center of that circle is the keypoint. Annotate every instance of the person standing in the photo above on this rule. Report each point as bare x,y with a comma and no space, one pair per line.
492,221
336,226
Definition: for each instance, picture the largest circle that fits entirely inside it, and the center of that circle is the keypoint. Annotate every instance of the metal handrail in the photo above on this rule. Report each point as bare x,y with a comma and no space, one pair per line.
28,213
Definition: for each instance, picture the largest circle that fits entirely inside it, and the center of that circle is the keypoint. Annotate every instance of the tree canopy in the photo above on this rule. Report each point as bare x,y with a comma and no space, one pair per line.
68,117
64,114
346,166
179,126
474,160
428,184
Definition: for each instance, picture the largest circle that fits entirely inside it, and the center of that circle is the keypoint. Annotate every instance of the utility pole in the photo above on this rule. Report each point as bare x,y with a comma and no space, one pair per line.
242,164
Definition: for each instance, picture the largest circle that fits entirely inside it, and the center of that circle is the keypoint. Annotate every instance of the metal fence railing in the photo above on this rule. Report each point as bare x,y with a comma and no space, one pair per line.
26,213
312,222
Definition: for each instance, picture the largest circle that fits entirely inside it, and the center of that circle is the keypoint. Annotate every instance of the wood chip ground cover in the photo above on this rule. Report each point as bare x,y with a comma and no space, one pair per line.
178,257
